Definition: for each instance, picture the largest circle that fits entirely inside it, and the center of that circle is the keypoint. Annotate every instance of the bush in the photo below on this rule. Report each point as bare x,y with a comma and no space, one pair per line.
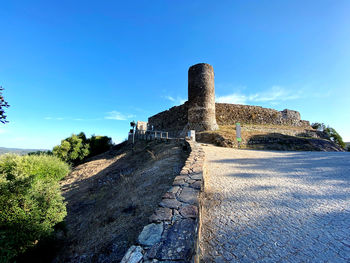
40,153
335,136
330,132
77,148
72,150
30,201
99,144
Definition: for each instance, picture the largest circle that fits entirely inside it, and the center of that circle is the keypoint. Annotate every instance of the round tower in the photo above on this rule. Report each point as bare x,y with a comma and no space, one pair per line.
201,98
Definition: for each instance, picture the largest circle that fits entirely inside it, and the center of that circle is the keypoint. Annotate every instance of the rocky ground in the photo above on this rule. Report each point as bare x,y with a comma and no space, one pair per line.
110,198
265,206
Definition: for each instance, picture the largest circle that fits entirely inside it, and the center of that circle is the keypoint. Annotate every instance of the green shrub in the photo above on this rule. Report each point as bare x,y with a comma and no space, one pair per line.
77,148
99,144
41,166
40,153
333,135
30,201
72,150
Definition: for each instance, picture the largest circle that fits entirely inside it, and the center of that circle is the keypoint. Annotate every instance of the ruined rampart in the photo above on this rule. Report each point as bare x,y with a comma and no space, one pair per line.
229,114
172,120
201,113
175,119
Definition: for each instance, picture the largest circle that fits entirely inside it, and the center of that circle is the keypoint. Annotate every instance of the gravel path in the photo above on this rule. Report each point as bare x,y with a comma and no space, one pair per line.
264,206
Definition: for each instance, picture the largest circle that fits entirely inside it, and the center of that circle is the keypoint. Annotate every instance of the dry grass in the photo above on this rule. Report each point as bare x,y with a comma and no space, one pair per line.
273,137
111,197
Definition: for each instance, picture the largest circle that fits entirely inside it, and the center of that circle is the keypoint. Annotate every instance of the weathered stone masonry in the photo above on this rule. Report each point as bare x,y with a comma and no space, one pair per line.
172,233
201,112
229,114
175,119
201,98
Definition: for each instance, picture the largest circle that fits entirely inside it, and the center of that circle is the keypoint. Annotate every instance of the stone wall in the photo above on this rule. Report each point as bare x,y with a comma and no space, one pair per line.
175,119
229,114
172,233
172,120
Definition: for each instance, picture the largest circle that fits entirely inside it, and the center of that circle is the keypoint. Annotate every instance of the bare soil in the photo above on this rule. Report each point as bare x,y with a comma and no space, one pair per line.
110,198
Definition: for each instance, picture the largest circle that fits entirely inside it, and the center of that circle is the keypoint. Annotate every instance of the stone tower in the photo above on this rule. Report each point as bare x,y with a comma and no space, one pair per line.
201,98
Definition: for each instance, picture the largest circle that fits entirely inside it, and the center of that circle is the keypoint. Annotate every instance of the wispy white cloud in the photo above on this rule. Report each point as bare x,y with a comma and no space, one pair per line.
56,118
169,98
2,131
274,96
175,101
232,98
116,115
276,93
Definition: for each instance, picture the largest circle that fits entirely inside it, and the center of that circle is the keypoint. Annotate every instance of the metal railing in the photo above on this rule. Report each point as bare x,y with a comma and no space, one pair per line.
151,135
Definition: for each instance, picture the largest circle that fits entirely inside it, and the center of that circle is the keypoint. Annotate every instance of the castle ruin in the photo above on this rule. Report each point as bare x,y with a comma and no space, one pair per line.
201,98
201,113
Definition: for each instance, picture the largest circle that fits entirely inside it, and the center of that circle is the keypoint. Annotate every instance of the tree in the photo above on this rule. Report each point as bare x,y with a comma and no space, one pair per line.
99,144
77,148
318,126
3,105
333,135
73,149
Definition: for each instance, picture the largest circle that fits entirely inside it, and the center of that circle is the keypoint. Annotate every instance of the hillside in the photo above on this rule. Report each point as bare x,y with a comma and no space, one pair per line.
110,198
20,151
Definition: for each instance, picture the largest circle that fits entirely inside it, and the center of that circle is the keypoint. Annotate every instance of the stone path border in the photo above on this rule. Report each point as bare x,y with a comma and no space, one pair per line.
172,233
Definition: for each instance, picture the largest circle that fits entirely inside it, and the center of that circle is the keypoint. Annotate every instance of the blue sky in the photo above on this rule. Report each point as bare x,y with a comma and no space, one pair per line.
93,66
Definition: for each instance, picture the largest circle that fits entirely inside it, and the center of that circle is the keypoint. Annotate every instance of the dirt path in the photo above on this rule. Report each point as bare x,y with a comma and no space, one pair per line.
264,206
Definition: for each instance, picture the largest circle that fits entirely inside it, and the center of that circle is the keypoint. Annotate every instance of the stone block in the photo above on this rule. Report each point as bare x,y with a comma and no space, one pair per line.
189,195
170,203
178,241
161,214
196,176
151,234
196,185
168,195
189,211
174,189
133,255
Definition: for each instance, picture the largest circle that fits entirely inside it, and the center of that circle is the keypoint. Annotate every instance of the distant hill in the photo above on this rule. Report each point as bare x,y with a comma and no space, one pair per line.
18,150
